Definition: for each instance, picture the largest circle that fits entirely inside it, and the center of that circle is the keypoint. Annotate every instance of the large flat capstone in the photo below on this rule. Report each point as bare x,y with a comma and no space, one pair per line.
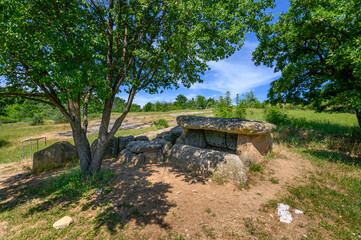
228,125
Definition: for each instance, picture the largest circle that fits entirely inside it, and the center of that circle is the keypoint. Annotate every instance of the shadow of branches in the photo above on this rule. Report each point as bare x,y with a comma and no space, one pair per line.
126,195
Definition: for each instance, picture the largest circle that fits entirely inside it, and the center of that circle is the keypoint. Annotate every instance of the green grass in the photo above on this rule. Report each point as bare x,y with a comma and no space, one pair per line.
332,197
12,134
42,204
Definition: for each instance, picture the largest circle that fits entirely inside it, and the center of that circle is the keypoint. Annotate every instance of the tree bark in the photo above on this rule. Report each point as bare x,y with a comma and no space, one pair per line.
82,146
358,115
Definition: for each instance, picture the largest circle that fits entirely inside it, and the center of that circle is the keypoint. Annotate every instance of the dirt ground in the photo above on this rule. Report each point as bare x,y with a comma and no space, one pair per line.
157,200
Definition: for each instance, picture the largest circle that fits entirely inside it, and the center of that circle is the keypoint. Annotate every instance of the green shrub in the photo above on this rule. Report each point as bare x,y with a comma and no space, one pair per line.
276,116
58,117
38,119
4,119
161,123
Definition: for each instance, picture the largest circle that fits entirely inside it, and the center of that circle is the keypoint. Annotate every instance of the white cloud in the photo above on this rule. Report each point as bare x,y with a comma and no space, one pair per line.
236,74
143,99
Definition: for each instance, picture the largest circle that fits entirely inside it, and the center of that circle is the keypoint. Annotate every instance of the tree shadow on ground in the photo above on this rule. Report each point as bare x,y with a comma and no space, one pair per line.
333,156
126,195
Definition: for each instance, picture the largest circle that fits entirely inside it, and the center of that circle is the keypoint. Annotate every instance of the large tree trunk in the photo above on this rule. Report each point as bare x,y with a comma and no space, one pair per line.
82,146
358,115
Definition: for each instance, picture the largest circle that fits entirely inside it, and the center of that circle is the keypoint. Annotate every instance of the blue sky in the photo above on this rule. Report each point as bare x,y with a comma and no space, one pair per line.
236,74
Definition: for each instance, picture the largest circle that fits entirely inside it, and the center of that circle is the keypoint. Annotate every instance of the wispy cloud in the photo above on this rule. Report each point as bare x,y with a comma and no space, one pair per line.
236,74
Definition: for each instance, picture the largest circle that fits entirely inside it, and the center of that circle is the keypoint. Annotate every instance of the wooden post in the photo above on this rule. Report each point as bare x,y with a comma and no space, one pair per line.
22,149
45,142
31,150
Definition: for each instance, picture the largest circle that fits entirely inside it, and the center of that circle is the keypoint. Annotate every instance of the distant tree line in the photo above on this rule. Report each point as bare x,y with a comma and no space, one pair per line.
19,110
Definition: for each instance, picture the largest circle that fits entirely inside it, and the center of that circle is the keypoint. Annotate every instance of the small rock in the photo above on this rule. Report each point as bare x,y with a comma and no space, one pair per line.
99,191
178,192
64,222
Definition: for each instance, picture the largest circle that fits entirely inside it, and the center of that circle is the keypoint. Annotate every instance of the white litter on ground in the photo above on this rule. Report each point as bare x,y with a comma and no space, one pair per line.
297,211
284,213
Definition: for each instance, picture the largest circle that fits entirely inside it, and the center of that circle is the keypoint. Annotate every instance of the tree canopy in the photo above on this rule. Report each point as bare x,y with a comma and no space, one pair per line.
317,47
66,53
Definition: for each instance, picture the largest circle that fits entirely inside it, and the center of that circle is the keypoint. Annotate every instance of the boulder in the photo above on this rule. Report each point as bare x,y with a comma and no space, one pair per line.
132,159
141,138
155,156
112,149
181,139
142,146
177,131
123,141
229,125
206,162
166,146
251,149
57,155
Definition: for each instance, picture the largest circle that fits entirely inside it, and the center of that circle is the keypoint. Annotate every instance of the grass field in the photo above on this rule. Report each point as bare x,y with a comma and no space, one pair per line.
330,197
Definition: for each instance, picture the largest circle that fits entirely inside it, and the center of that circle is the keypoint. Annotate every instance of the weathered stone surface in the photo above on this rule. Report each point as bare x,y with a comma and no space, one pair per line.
231,141
166,150
132,159
168,137
62,223
112,149
181,139
229,125
155,156
177,131
142,146
251,149
160,141
195,137
141,138
123,141
204,161
215,139
56,155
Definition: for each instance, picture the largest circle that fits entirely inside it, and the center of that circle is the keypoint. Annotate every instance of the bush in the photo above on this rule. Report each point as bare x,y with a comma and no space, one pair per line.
276,116
58,117
4,119
38,119
161,123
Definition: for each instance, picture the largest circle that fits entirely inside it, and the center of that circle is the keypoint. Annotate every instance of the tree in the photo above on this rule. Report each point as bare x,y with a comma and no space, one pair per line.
149,107
224,107
119,104
63,53
317,47
181,101
201,102
251,100
211,102
241,108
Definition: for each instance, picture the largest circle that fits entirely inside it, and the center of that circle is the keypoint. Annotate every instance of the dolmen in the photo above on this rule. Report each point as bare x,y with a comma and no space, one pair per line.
225,147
